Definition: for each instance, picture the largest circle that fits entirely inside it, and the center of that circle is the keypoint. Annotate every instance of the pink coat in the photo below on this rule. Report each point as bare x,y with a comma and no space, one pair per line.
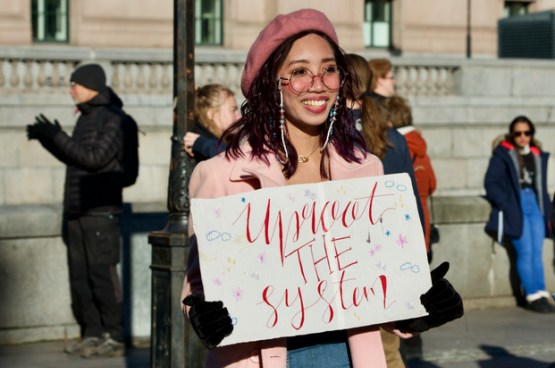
219,177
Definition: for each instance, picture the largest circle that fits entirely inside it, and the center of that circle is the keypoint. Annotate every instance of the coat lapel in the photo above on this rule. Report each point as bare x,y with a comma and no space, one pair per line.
246,168
341,169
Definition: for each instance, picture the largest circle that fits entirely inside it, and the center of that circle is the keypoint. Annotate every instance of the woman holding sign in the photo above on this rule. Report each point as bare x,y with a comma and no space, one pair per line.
295,129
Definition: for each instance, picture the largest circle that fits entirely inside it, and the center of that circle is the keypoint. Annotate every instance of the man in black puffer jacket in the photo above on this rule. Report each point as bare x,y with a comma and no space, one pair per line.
92,202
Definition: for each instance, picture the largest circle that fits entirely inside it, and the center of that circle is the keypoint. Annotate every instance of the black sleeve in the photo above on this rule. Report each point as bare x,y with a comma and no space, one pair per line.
49,145
407,167
108,142
208,147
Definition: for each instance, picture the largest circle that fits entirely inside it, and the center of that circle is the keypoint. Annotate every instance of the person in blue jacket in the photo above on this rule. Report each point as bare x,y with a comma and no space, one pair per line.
215,110
516,187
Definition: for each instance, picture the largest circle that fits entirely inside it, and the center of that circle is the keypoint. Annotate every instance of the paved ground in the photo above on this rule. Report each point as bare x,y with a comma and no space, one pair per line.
494,338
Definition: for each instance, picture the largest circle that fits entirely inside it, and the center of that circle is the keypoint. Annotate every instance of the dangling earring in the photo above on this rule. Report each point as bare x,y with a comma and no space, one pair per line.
282,118
333,113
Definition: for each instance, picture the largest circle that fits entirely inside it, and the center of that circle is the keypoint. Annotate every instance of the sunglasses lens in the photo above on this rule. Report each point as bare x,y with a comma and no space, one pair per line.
526,133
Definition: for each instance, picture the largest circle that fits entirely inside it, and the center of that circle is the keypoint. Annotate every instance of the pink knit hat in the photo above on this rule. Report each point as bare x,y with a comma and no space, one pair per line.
279,29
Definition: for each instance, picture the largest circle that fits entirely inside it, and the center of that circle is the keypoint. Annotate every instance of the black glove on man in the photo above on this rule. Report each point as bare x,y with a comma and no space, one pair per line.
43,127
210,320
442,302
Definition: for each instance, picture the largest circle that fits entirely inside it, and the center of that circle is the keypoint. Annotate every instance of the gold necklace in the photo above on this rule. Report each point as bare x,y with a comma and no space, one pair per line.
303,159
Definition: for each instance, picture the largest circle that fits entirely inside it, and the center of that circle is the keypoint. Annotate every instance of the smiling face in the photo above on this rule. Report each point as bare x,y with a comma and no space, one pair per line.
308,110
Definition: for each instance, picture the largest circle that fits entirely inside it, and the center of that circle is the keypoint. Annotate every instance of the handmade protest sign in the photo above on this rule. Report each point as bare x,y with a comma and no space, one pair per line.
303,259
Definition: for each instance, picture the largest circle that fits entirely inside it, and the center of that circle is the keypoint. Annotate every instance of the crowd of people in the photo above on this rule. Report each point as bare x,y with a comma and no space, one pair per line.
310,108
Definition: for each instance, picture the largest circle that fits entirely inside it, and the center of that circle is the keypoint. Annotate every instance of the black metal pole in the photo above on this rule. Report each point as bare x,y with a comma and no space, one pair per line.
468,37
173,342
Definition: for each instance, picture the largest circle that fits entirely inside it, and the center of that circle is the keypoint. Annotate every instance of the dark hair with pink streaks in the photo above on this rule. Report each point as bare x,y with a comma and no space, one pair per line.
259,124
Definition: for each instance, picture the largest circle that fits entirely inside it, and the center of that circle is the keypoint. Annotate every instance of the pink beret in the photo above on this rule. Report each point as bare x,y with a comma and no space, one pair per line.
279,29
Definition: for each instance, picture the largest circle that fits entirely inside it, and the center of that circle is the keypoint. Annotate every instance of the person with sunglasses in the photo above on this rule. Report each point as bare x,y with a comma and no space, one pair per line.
295,128
516,187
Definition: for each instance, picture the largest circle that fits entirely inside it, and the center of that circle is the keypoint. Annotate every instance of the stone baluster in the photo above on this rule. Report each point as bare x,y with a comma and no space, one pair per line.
2,79
28,78
199,75
399,81
55,78
67,73
140,78
419,82
429,82
228,80
440,82
202,75
238,76
14,77
408,83
165,79
115,77
41,79
153,80
127,79
449,81
216,79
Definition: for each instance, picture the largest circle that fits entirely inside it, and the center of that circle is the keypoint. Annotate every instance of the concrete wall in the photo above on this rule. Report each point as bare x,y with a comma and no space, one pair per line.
34,277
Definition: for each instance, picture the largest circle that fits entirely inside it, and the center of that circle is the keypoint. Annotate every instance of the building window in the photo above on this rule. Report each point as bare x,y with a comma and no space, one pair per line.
513,8
208,22
49,19
377,23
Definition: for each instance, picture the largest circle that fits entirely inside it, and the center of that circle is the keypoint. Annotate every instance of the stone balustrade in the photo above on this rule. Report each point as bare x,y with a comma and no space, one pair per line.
126,77
34,70
415,80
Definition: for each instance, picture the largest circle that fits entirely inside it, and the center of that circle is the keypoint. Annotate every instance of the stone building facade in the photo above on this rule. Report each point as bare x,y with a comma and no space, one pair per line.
403,26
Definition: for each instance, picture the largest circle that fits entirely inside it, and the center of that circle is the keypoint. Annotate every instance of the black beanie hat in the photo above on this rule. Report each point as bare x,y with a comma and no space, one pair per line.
91,76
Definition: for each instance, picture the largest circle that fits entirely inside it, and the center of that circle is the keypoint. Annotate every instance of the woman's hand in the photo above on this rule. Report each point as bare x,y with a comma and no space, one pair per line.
442,302
188,142
210,320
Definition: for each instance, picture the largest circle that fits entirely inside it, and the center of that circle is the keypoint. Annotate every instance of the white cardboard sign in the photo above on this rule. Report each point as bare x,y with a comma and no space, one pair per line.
303,259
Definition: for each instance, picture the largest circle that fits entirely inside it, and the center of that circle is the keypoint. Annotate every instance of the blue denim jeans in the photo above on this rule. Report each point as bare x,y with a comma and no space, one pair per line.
530,244
328,354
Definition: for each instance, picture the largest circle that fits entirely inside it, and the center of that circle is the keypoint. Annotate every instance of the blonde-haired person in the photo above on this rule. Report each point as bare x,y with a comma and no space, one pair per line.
215,110
400,117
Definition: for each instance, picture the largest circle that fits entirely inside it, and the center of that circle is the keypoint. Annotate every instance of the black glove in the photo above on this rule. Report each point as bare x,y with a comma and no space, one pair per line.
43,127
32,132
210,320
442,302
